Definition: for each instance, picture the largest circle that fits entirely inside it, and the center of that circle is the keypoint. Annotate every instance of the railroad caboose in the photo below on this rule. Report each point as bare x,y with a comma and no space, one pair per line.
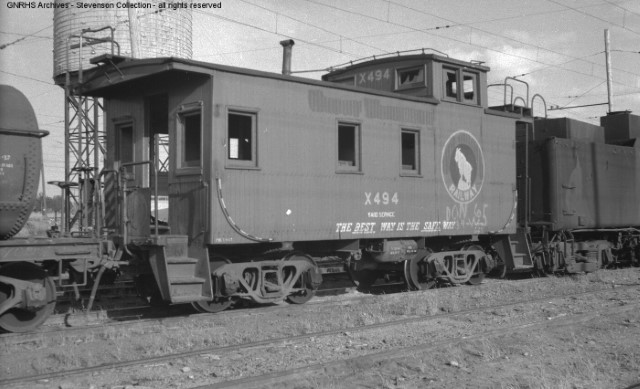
389,167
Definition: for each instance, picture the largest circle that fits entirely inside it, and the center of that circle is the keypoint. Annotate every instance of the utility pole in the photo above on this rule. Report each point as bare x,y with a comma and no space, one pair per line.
133,31
608,59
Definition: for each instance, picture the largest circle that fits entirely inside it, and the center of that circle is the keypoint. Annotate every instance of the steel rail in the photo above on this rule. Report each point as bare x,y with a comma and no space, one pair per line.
372,358
267,342
179,312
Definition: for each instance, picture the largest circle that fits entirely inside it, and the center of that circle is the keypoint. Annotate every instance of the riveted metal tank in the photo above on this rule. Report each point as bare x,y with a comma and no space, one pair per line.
162,31
20,160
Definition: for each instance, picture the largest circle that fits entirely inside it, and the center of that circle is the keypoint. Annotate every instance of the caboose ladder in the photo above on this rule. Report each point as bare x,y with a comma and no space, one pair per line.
180,278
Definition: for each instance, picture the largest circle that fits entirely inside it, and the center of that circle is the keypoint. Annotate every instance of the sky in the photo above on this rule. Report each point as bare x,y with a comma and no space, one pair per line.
556,46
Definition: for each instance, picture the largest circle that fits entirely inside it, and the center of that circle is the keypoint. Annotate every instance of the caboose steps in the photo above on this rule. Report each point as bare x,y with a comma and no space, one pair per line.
519,261
181,266
521,251
180,278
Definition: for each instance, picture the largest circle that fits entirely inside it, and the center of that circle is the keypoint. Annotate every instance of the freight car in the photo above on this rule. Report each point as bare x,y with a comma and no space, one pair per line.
31,268
393,167
585,179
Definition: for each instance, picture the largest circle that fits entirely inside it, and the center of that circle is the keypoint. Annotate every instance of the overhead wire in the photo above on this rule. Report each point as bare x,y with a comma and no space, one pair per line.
583,94
447,26
314,26
322,45
622,8
27,35
557,65
26,77
592,16
444,37
4,46
273,32
517,40
427,32
453,24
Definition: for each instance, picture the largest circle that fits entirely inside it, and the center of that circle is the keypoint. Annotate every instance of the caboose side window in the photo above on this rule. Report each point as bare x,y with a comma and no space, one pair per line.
410,78
451,84
348,147
460,86
469,87
410,152
190,136
241,139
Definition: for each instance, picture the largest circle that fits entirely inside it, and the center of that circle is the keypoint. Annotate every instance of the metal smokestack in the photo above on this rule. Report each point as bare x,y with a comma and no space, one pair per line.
286,56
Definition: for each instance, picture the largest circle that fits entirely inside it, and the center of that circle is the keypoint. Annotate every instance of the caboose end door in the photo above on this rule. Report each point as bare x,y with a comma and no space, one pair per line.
188,190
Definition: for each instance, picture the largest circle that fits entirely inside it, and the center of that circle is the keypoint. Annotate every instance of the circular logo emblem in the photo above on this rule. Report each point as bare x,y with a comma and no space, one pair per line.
462,166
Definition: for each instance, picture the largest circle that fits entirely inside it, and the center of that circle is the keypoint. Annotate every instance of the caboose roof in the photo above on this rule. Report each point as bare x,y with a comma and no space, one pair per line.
109,79
398,58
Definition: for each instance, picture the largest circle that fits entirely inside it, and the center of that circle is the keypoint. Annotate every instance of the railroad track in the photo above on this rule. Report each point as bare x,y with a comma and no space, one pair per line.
145,314
370,361
149,315
280,342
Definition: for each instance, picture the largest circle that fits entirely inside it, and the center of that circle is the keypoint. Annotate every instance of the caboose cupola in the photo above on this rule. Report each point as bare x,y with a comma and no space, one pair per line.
423,75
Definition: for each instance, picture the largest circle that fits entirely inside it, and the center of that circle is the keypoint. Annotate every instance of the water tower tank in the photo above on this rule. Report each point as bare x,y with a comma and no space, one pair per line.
161,33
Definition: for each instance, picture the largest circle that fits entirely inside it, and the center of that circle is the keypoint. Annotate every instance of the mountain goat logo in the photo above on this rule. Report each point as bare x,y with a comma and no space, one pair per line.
462,166
464,169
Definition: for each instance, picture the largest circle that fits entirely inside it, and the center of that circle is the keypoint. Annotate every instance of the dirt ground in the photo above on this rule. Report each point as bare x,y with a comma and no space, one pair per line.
584,341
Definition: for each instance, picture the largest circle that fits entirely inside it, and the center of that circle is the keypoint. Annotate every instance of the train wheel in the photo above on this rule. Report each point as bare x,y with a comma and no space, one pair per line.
419,274
304,282
218,304
43,295
500,271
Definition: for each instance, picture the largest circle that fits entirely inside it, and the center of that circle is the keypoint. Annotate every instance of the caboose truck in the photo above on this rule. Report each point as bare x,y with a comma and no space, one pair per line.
393,167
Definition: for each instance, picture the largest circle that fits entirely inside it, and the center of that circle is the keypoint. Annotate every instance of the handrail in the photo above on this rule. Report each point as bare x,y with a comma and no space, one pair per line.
79,45
544,104
519,98
125,219
505,91
100,218
207,204
385,55
156,152
518,80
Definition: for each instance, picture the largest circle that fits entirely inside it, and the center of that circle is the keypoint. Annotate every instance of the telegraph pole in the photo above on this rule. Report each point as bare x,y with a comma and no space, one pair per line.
133,31
608,59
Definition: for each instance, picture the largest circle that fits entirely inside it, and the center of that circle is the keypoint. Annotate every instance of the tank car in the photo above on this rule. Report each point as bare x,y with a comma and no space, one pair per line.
30,268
